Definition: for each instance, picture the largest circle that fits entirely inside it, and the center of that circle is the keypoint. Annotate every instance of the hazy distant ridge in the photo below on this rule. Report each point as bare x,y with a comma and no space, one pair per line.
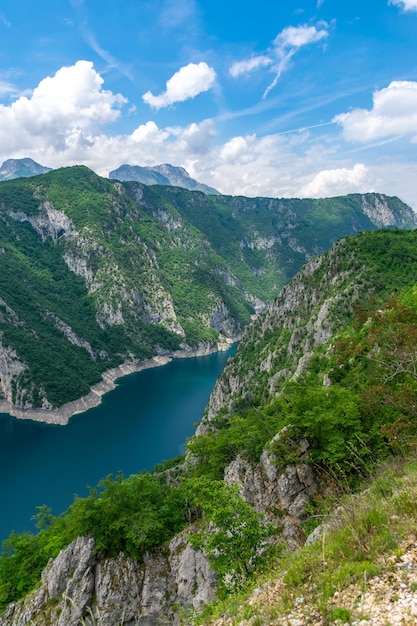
21,168
164,174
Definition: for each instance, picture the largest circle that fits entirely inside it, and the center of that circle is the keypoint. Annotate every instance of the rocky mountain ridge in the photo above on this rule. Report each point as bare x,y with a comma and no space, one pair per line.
308,311
17,168
164,174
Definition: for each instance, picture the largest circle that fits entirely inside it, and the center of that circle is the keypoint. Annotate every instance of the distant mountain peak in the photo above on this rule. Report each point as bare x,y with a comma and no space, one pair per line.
21,168
163,174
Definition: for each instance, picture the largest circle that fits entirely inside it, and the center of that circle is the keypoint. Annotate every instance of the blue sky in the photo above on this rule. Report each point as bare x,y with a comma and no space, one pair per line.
294,98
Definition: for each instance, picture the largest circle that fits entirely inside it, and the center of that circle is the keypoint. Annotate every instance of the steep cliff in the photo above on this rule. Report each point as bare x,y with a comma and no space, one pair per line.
319,301
78,585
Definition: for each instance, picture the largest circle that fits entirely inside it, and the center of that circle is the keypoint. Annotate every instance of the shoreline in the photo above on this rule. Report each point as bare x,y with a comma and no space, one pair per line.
62,415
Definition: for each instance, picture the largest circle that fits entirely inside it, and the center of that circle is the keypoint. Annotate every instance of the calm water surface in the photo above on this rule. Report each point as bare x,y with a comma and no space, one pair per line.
144,421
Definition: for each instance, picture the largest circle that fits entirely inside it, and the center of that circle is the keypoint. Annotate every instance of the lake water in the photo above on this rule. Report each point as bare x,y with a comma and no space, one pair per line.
144,421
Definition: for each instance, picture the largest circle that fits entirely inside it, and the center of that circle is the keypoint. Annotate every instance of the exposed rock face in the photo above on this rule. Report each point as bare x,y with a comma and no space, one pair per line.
378,210
53,223
281,493
222,321
306,314
76,584
21,168
164,174
10,370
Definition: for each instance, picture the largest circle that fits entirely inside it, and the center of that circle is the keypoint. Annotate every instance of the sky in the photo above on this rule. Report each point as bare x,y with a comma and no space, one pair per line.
277,98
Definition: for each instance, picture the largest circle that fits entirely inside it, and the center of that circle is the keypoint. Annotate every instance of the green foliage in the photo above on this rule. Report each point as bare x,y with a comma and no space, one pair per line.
130,515
236,540
21,562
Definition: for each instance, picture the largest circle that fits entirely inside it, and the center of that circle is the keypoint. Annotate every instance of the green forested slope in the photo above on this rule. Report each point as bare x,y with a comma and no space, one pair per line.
94,272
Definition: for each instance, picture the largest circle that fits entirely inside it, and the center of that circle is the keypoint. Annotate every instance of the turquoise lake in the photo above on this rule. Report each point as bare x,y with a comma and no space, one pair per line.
144,421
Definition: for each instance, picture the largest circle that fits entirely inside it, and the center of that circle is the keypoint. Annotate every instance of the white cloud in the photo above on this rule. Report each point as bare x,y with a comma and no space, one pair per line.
297,36
394,112
188,82
288,42
406,5
61,105
196,139
284,46
149,133
62,123
248,65
338,181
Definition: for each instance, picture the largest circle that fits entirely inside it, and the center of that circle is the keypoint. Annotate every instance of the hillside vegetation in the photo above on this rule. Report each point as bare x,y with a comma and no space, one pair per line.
340,414
96,272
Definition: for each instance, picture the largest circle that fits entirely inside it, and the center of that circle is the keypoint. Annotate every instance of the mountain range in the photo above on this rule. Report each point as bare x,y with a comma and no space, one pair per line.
96,273
164,174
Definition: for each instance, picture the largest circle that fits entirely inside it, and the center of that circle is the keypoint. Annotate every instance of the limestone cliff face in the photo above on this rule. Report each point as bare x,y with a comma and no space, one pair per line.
279,344
281,493
11,369
77,585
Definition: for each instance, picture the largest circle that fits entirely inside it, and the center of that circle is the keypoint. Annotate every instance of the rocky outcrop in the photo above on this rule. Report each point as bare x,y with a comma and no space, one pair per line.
10,369
280,491
379,211
78,585
222,321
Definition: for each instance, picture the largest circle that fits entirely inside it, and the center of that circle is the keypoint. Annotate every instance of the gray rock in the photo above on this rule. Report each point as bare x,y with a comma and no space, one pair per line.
77,586
282,494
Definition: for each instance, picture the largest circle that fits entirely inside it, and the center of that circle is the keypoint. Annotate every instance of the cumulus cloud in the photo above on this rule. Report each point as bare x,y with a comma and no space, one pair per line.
195,139
394,112
188,82
59,108
406,5
249,65
338,181
62,121
150,133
